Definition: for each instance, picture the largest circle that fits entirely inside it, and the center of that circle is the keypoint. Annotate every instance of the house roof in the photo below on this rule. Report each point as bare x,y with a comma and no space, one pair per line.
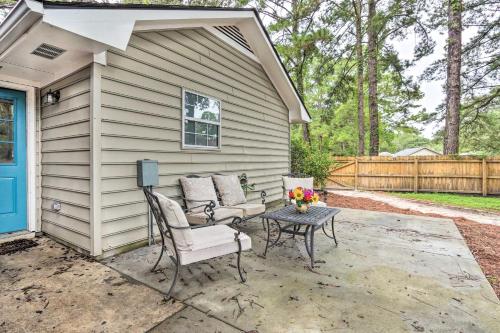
88,30
411,151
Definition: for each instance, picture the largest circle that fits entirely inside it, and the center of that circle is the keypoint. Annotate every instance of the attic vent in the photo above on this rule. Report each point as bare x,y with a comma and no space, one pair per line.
48,51
234,33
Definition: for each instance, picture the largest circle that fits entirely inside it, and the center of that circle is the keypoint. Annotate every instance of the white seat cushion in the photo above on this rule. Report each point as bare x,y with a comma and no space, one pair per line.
220,214
176,218
250,209
214,241
198,189
230,190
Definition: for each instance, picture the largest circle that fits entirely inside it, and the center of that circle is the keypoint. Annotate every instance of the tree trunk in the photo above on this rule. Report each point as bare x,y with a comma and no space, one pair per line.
452,127
300,88
299,70
372,79
358,6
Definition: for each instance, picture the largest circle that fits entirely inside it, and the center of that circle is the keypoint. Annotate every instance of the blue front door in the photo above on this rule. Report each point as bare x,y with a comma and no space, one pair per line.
12,161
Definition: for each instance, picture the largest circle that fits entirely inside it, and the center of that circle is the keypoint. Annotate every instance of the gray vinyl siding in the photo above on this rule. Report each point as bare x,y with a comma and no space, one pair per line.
141,118
64,163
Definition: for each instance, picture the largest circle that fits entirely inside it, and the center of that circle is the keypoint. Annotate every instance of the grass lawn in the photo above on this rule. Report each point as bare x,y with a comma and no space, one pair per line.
458,200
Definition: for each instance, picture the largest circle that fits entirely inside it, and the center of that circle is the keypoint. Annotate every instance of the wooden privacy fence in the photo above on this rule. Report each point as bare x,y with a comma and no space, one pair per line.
417,174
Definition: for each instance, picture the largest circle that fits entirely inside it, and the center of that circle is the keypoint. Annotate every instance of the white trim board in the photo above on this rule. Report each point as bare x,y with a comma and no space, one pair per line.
31,172
95,160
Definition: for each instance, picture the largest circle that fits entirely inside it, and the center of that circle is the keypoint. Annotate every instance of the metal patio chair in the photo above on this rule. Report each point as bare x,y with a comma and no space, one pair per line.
186,244
293,180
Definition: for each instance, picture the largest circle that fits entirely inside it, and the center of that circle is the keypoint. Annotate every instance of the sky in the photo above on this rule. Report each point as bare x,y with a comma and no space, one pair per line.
433,90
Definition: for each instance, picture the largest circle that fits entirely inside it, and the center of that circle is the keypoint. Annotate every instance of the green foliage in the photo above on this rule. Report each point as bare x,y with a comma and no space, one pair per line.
458,200
311,161
480,133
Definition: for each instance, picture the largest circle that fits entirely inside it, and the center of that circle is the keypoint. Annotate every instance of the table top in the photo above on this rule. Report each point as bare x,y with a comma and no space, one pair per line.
314,216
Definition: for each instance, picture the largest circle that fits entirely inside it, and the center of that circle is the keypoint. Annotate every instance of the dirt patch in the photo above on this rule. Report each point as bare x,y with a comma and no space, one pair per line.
16,246
50,288
483,239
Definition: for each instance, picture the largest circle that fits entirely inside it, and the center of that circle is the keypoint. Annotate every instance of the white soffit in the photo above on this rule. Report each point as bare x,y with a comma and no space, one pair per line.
115,30
114,26
19,60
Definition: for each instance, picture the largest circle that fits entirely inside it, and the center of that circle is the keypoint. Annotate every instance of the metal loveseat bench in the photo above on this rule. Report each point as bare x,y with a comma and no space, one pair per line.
223,196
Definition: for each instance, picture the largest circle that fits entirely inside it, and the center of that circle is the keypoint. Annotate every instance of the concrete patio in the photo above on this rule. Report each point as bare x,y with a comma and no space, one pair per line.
390,273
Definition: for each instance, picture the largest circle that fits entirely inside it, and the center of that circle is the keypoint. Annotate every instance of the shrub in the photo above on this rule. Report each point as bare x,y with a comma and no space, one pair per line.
310,161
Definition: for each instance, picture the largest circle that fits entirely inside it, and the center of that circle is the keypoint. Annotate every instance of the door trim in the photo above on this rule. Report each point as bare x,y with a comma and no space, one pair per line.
31,149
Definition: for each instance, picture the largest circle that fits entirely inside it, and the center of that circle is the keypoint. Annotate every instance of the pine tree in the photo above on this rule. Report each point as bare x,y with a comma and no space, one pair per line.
372,78
358,10
453,93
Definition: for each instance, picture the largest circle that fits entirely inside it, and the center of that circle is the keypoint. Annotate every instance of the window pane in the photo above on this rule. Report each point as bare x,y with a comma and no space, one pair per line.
213,141
215,109
189,126
201,140
201,128
6,109
213,129
6,152
189,139
6,130
201,107
190,98
200,133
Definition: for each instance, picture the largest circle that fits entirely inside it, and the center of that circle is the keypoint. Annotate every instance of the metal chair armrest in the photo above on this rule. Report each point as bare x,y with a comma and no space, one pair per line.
263,195
208,208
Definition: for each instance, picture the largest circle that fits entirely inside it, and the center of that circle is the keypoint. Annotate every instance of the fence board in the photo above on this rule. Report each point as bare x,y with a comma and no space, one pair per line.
449,174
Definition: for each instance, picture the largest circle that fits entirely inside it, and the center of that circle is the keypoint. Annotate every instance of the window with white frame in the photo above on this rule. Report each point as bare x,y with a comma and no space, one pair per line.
201,121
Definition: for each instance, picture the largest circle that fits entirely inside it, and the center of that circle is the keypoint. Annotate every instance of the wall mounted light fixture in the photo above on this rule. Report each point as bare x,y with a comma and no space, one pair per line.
51,97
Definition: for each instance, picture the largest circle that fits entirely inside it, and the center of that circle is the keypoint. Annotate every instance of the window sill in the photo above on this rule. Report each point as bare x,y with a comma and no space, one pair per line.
201,148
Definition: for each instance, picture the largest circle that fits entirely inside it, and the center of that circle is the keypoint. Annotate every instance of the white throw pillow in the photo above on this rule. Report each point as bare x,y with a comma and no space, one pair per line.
176,218
198,189
230,190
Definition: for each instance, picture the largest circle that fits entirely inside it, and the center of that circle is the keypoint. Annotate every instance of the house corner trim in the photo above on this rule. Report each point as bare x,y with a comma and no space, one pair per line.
95,160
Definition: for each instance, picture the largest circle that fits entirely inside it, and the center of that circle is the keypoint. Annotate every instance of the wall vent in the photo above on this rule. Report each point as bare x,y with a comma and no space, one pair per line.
48,51
234,33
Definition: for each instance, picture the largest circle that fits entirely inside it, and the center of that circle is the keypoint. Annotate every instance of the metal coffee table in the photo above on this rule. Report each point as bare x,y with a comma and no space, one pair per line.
290,221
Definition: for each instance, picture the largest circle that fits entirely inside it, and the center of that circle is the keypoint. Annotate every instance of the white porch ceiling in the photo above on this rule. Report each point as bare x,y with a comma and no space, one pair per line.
18,60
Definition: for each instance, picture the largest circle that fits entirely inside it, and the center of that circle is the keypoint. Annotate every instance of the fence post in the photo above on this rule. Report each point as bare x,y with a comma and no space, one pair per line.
415,175
485,178
356,174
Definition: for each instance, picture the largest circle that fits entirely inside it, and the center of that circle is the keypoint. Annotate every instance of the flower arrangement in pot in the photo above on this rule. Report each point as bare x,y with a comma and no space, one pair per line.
302,198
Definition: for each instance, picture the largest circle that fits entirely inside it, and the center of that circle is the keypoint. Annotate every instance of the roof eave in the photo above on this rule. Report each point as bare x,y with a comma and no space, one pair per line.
20,19
27,12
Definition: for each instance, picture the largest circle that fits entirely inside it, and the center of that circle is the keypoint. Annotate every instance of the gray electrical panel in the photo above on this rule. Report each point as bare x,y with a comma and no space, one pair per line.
147,173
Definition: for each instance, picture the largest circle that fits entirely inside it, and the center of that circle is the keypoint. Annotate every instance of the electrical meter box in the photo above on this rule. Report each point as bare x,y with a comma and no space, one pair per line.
147,173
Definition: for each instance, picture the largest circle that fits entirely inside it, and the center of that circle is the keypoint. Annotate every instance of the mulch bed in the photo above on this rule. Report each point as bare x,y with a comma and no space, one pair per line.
483,239
16,245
